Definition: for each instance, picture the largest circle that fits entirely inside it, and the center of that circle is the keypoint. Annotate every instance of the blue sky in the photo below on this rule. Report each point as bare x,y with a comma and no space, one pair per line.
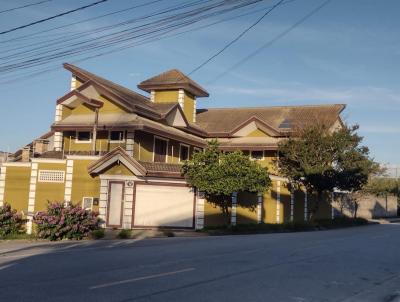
349,52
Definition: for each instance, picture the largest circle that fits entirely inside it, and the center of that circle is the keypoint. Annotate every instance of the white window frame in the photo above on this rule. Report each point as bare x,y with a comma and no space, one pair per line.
91,204
180,148
154,146
77,141
51,181
117,141
251,155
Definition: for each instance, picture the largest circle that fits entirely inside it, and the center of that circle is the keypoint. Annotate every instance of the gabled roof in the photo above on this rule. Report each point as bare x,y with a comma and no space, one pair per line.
138,168
173,79
222,121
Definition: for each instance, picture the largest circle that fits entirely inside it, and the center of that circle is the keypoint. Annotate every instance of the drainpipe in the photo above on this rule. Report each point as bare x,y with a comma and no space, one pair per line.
96,121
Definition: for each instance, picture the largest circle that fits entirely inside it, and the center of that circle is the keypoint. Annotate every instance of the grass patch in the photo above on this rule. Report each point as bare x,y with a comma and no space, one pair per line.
264,228
20,236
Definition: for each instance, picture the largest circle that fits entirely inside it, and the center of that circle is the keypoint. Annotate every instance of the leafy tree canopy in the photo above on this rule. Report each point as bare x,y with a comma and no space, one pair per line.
220,174
321,159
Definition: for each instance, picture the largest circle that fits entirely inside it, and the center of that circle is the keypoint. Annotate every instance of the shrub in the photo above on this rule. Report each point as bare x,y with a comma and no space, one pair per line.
124,234
11,222
65,221
97,234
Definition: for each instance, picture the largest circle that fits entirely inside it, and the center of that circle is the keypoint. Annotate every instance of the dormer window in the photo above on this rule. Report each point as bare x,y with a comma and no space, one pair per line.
83,137
117,136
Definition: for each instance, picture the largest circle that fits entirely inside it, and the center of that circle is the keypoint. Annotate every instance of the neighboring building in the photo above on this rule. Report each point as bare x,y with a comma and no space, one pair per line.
120,152
3,156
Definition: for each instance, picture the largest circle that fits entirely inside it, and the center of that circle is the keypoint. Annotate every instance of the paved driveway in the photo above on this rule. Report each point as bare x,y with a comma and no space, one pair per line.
357,264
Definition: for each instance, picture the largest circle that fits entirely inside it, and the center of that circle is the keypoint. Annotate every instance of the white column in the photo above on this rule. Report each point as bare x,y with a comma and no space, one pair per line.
68,180
103,200
291,203
127,205
73,82
278,201
234,207
32,196
181,98
130,141
194,109
199,216
58,136
152,96
259,207
3,171
305,206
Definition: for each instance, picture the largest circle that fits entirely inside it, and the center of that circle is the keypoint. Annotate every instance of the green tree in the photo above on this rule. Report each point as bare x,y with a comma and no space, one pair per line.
321,160
220,174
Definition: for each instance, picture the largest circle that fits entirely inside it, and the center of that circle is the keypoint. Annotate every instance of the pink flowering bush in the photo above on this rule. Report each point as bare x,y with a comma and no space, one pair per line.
11,222
65,221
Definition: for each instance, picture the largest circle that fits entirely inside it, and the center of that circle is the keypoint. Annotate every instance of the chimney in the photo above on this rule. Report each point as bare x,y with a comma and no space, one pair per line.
40,146
26,154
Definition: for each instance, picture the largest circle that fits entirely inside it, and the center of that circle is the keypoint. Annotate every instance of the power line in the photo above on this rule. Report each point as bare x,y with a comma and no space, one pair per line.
23,6
272,41
235,39
52,17
164,25
82,21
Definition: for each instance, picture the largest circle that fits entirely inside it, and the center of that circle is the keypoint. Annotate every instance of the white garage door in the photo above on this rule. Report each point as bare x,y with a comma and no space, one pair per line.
160,205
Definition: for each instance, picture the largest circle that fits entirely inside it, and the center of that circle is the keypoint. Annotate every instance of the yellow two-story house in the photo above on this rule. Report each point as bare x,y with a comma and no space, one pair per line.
119,152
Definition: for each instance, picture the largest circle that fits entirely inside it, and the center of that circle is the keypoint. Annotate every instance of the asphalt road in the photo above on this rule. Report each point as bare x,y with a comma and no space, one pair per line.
357,264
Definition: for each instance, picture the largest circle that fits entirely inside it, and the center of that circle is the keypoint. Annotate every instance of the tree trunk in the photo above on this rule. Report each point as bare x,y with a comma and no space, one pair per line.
355,209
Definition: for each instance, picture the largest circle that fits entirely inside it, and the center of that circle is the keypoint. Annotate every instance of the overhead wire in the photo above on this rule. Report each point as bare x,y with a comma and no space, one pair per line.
52,17
272,41
23,6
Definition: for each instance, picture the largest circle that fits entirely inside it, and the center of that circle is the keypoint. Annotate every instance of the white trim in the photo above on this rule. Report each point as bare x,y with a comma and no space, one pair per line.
120,158
130,142
117,177
77,141
91,203
83,157
278,201
68,183
3,172
16,164
194,109
73,82
188,154
152,96
48,160
32,196
58,138
259,207
181,98
154,146
199,214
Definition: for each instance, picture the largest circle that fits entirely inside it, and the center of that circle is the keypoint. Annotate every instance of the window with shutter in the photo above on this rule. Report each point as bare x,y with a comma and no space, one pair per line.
160,150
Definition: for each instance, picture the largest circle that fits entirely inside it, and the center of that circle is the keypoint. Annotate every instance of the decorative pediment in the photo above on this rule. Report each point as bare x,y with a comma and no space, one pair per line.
117,156
75,98
175,117
254,127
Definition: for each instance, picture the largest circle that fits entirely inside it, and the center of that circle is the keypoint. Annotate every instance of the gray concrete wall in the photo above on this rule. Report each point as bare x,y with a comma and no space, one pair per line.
370,206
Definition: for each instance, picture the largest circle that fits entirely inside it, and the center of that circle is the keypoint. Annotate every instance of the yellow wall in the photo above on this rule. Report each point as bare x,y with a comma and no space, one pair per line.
213,215
246,211
188,107
47,191
166,96
257,133
83,185
16,190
